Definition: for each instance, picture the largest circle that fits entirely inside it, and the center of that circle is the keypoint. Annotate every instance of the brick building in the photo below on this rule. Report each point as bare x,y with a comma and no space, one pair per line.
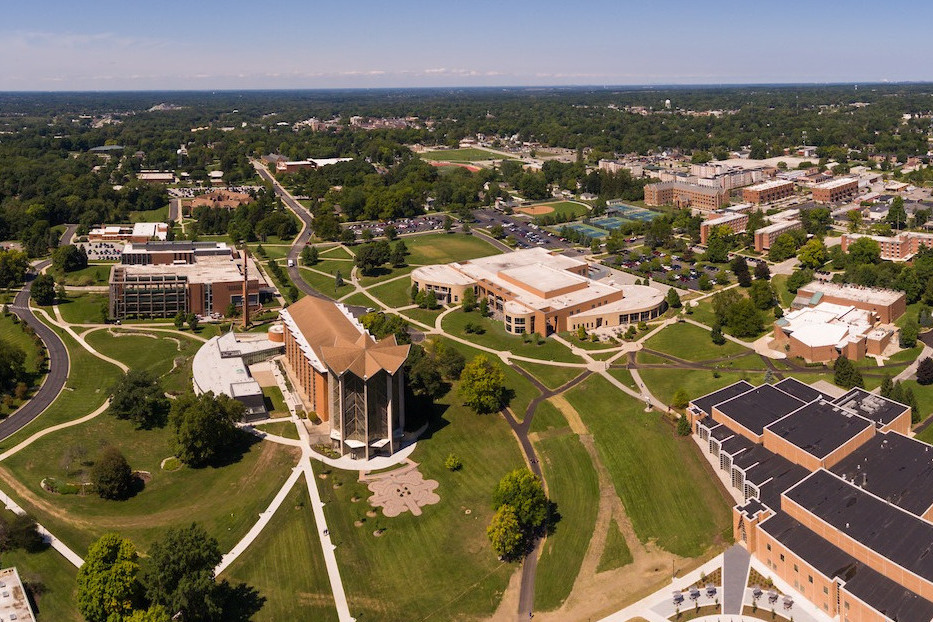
836,500
160,279
835,190
766,236
769,191
901,247
347,377
736,222
680,194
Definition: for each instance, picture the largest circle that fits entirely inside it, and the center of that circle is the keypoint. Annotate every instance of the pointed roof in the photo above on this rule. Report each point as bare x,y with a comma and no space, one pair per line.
341,342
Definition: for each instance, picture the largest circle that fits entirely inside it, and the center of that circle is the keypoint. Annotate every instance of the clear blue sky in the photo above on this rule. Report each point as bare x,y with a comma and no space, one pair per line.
206,44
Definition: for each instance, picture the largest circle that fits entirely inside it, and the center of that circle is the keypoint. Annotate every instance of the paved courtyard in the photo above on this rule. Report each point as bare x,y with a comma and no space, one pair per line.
401,490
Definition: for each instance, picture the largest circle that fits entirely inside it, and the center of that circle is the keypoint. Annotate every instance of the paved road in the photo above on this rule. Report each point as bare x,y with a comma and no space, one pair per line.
67,235
174,210
58,363
290,202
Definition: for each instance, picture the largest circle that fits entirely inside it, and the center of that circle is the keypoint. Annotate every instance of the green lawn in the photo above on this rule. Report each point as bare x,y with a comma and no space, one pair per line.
85,390
272,251
212,496
586,344
386,273
334,252
924,395
691,343
153,352
572,484
331,267
57,577
275,401
624,376
92,275
567,208
659,476
12,332
494,336
551,376
325,284
422,315
85,309
439,564
279,428
616,552
286,565
153,215
779,282
468,154
394,294
523,390
664,383
548,417
360,299
433,248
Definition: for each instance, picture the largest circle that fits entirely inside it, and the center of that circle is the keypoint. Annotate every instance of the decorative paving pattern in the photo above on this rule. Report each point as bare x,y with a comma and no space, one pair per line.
402,490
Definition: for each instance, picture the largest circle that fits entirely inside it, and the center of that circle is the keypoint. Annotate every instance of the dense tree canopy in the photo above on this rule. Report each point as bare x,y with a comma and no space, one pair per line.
205,427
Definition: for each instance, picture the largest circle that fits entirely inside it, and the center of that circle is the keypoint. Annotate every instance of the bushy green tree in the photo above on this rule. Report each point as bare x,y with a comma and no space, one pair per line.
782,248
909,332
108,583
469,299
111,475
673,299
155,613
505,534
762,271
812,254
180,574
309,255
482,385
925,371
846,375
205,427
138,396
69,258
762,294
43,290
681,399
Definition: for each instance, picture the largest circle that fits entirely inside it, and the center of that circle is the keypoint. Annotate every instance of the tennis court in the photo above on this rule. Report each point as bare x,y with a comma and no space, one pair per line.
587,230
609,222
631,212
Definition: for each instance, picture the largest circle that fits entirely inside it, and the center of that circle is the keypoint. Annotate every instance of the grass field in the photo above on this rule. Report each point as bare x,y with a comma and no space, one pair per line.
624,376
386,273
924,395
659,476
494,336
548,417
57,576
439,565
334,252
286,565
394,294
551,376
664,383
325,284
279,428
360,299
92,275
422,315
572,484
691,343
153,215
779,282
345,267
213,496
12,332
616,552
567,208
434,248
152,352
85,309
84,391
461,155
272,251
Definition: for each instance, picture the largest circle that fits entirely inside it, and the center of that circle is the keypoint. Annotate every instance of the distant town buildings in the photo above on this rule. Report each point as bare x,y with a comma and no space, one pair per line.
160,279
225,199
136,233
285,166
535,291
156,177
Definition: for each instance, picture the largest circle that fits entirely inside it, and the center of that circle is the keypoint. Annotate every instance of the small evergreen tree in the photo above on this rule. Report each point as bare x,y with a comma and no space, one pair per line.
925,371
673,299
469,299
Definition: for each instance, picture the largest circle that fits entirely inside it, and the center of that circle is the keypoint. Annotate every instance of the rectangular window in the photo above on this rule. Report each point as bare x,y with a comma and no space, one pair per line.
810,578
782,556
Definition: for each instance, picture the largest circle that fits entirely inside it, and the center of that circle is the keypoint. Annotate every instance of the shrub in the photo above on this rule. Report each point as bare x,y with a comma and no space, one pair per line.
112,475
453,463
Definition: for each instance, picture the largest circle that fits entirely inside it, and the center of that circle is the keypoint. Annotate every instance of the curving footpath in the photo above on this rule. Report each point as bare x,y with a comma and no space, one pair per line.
58,363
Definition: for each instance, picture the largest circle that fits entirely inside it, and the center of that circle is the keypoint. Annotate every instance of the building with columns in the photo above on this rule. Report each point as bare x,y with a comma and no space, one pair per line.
348,378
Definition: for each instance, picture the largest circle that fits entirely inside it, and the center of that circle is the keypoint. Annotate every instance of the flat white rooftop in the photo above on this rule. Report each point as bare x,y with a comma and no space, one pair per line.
835,183
855,293
768,185
722,220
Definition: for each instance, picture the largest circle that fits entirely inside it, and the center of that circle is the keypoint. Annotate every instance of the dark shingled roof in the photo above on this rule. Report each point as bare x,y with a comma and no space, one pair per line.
879,409
758,407
801,390
706,402
896,468
819,553
889,531
888,597
819,428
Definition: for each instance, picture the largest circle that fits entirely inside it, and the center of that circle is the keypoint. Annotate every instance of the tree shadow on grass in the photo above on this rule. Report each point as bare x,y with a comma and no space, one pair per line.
241,445
240,601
